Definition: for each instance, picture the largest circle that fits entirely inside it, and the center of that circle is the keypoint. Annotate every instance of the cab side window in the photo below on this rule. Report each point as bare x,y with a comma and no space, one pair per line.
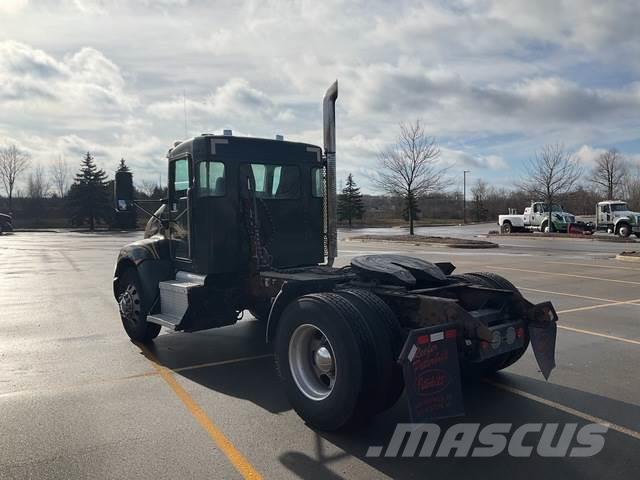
211,179
181,178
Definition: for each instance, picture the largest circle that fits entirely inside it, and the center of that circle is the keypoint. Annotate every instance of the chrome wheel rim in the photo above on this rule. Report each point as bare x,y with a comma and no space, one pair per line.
312,362
129,305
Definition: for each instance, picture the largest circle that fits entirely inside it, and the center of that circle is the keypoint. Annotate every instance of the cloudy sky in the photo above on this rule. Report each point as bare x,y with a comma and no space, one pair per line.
493,80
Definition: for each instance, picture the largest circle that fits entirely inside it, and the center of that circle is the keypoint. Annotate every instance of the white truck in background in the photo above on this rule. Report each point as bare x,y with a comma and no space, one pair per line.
536,217
614,216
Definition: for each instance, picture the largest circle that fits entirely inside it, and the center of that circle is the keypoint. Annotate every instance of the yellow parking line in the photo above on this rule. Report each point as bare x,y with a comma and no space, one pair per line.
235,457
565,409
597,334
602,305
565,275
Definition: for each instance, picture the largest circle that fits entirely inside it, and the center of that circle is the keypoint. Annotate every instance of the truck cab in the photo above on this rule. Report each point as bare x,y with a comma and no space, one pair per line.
221,187
614,216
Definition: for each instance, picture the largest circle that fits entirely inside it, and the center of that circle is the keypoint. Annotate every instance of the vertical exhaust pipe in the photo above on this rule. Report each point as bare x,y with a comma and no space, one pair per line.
329,133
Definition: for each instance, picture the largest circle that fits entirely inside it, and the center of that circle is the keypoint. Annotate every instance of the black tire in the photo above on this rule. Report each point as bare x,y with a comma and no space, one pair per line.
134,309
384,331
502,361
543,227
507,227
472,279
624,230
339,322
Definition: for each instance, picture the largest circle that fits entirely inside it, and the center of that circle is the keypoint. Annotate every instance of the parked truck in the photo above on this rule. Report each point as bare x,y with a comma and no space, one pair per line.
614,216
250,224
536,218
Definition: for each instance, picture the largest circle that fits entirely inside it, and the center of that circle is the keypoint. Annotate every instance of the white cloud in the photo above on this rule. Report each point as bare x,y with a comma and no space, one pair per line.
493,80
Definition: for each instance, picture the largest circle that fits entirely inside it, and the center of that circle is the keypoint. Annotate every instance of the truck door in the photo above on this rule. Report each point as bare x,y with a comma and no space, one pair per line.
605,214
180,179
536,218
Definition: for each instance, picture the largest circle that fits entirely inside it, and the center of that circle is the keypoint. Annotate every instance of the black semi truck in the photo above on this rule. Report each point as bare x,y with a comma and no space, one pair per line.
250,224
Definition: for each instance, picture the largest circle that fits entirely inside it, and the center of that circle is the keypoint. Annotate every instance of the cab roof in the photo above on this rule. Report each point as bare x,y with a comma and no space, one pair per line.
246,148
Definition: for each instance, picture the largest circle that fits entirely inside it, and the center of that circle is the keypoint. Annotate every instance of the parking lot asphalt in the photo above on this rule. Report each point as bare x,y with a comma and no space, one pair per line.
79,400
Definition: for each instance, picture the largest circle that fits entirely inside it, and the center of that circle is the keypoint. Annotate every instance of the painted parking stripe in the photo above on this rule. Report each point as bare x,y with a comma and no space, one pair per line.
598,334
592,265
602,305
222,442
598,299
565,409
628,282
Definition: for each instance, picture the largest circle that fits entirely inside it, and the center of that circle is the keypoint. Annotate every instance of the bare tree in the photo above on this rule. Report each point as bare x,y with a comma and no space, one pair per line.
551,173
609,172
60,176
38,184
479,193
410,168
631,189
13,162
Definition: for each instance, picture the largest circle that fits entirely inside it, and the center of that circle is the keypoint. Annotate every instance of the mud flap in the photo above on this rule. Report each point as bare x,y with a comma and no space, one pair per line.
431,371
542,333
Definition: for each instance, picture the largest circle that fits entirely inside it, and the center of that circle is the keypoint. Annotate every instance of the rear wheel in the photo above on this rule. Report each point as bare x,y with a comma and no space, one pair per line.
319,349
385,333
134,309
507,227
493,280
506,359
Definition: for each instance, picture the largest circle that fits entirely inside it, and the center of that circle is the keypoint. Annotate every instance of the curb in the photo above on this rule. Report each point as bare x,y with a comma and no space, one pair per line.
418,243
628,258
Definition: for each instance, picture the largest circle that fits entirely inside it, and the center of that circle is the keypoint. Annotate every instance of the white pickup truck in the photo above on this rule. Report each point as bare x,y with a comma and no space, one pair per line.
536,217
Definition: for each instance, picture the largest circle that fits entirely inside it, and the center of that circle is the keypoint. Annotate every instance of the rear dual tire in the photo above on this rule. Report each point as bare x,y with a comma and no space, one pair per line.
493,365
335,356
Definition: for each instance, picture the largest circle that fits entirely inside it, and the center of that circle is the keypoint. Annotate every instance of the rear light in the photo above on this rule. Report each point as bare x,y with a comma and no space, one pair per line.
520,332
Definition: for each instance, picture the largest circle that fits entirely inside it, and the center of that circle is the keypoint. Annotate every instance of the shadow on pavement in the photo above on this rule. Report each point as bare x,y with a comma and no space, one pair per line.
487,404
256,380
253,379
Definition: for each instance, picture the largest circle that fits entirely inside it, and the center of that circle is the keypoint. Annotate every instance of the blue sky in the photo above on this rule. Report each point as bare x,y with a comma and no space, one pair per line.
492,80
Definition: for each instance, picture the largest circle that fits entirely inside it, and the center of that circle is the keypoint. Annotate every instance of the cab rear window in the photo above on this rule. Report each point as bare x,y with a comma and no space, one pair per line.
276,181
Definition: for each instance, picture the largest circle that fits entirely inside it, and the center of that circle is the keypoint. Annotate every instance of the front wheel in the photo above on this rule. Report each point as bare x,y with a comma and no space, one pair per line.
134,309
624,230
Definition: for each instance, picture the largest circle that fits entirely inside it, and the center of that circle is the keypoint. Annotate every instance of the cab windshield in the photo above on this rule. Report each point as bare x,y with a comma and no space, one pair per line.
619,207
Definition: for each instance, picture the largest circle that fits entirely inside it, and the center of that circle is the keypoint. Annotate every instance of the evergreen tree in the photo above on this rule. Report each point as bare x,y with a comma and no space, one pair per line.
89,196
122,166
350,203
411,211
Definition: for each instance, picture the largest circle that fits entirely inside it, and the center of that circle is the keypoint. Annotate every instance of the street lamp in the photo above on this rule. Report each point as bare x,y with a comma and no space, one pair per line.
464,196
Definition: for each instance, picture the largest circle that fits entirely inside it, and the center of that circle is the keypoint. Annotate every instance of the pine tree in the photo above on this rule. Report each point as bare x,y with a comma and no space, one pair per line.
350,204
89,195
411,211
123,167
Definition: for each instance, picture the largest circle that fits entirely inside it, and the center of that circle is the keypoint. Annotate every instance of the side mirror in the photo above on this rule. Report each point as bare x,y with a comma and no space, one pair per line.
123,195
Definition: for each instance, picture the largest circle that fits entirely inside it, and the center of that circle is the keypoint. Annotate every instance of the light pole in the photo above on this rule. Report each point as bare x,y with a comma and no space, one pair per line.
464,196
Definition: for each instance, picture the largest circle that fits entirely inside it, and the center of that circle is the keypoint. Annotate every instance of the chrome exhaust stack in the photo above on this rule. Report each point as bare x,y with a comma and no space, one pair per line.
329,133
